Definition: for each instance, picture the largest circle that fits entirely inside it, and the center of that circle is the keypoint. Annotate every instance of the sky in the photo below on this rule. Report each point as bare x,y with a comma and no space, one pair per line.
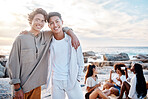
97,23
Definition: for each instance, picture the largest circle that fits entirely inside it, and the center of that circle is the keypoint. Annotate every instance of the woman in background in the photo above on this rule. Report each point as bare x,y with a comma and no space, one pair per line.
115,83
92,84
137,88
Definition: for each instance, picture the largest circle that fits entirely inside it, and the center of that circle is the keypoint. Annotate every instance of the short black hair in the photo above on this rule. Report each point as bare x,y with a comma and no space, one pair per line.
51,14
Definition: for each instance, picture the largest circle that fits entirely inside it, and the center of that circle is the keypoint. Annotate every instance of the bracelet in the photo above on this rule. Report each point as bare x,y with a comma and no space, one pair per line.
17,89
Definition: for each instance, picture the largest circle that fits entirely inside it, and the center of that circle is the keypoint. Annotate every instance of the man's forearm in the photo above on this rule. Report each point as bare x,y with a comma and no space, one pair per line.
70,33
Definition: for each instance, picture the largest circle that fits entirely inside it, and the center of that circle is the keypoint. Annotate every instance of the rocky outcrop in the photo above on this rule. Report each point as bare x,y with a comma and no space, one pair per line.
91,55
141,56
88,53
2,71
111,63
85,60
144,65
116,57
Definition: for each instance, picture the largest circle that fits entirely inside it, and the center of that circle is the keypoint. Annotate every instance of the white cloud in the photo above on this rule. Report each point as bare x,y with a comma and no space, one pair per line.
92,20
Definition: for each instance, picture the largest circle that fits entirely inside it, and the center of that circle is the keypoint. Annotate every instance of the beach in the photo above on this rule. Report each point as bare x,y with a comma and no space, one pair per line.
6,91
103,58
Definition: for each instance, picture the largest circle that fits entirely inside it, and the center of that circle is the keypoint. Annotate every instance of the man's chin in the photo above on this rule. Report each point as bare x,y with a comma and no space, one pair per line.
56,32
38,29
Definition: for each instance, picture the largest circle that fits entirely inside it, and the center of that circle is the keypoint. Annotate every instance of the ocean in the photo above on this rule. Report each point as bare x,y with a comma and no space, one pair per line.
131,51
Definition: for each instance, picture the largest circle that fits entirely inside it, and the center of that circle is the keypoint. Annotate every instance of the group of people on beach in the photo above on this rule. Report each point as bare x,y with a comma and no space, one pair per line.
120,84
55,58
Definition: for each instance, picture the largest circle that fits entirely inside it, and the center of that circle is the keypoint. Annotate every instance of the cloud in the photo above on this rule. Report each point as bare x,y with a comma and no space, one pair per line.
101,22
5,41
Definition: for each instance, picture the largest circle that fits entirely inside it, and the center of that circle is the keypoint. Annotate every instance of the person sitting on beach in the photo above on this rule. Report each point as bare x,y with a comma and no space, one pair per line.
92,84
136,89
115,83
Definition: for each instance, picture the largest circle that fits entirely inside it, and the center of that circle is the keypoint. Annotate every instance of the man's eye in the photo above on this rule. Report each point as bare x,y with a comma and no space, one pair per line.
57,21
43,20
51,23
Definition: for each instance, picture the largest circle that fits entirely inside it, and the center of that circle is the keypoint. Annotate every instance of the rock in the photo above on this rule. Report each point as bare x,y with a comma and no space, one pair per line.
111,63
144,65
88,53
116,57
2,56
3,63
93,57
141,56
6,73
85,60
2,74
2,71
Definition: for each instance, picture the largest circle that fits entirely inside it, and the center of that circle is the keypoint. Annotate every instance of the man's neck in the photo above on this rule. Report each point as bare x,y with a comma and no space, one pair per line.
35,33
59,36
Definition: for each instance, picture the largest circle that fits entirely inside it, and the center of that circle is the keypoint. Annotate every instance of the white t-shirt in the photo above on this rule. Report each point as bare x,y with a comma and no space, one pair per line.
132,92
123,78
61,58
90,82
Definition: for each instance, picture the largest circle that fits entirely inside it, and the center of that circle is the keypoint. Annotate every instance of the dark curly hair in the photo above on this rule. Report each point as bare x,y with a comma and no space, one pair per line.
118,66
35,12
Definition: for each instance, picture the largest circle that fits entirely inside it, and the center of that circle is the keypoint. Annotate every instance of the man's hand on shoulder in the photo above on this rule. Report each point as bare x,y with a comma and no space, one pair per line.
75,42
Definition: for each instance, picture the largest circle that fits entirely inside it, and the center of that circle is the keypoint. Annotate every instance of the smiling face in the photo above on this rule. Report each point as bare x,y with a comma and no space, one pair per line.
38,22
55,24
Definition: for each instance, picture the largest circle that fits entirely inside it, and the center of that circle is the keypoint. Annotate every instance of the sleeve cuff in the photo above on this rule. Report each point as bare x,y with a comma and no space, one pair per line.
14,81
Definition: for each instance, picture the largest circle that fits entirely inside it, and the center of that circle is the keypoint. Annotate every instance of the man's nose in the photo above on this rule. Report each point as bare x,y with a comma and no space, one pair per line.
55,24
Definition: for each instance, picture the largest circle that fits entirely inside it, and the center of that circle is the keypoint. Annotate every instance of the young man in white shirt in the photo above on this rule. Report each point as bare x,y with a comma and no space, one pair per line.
65,63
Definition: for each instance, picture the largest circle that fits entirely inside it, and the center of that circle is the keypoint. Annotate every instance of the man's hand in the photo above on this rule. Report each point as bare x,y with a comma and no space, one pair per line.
75,41
19,94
